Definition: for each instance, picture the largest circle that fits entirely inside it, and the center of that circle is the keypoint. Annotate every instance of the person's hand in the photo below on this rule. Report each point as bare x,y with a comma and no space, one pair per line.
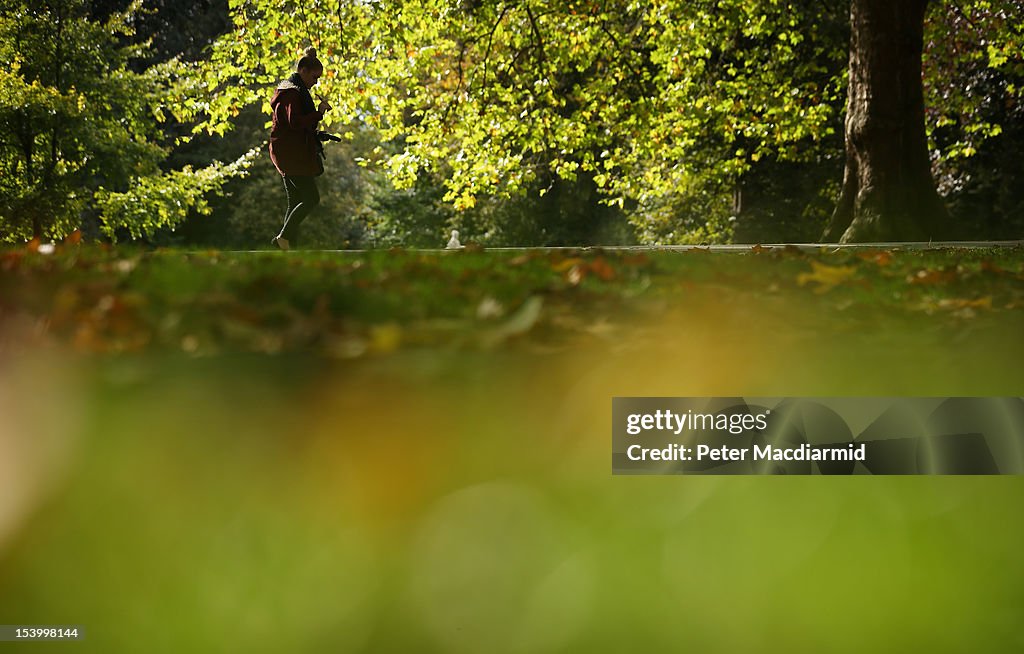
324,106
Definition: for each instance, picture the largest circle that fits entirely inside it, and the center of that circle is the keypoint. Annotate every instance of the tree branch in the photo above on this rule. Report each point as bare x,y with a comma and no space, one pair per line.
455,96
490,41
618,48
541,58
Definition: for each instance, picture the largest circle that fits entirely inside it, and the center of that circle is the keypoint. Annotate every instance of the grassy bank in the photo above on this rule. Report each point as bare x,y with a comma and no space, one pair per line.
403,451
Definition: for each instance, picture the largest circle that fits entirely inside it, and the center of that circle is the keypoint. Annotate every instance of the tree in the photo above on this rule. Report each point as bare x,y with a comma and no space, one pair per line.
80,131
648,98
644,98
974,80
888,192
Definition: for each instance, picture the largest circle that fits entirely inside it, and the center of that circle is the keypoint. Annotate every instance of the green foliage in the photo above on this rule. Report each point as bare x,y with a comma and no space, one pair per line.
973,61
662,113
974,78
495,98
157,201
76,118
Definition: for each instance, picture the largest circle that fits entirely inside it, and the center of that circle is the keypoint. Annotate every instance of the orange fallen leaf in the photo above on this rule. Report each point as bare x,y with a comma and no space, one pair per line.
602,269
640,259
566,264
879,257
987,265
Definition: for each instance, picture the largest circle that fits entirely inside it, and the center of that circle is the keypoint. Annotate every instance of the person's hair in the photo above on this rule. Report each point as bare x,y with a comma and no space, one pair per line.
309,60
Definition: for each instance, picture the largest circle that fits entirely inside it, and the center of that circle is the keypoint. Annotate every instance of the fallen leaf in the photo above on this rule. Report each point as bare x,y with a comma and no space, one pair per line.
602,269
575,275
931,277
961,303
566,264
877,257
489,308
346,347
385,338
987,265
640,259
525,317
601,328
520,322
825,276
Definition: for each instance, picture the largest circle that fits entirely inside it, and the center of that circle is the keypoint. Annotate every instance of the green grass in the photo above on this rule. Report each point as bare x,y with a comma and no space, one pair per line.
349,304
402,451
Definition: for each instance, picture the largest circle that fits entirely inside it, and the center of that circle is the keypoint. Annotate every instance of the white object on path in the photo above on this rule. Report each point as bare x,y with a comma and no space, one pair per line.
453,242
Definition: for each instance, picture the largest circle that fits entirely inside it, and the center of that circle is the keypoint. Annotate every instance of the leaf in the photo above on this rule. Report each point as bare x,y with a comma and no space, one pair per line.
825,276
575,275
566,264
385,338
520,322
879,258
602,269
489,308
640,259
932,277
961,303
987,265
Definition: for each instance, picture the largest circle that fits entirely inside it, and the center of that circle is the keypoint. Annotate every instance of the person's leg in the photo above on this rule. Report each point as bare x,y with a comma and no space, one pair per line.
291,194
303,197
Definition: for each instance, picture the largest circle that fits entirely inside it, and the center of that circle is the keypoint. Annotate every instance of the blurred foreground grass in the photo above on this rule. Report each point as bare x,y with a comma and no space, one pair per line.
401,451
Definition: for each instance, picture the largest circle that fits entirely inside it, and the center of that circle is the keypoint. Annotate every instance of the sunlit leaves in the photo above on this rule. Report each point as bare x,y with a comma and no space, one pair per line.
157,202
77,114
642,96
974,51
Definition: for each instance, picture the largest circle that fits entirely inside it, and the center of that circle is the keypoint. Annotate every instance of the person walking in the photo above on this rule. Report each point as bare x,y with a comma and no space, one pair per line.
295,144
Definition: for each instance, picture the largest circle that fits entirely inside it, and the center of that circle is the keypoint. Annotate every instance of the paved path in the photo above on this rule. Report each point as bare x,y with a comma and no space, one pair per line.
809,247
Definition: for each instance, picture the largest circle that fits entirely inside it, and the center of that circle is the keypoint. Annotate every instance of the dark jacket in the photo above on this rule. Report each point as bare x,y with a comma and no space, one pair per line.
293,139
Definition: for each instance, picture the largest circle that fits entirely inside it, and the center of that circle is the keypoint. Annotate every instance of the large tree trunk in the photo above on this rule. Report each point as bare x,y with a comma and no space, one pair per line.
888,192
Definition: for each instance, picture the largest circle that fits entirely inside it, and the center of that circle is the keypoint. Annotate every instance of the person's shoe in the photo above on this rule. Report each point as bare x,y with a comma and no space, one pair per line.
281,243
